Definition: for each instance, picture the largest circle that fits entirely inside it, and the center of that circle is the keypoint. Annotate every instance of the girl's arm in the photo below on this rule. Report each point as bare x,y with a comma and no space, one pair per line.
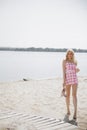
77,70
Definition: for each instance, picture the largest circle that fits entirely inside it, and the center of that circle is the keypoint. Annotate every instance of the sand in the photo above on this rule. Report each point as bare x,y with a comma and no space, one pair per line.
43,97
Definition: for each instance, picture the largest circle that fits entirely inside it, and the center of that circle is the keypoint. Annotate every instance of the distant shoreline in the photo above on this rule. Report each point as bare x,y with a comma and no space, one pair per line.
33,49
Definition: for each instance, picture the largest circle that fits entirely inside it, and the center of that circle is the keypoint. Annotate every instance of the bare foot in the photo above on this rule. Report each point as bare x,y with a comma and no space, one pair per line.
74,117
68,113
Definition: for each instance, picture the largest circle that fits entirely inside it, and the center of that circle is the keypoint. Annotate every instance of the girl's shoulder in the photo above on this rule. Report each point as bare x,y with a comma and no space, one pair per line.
75,62
68,62
64,61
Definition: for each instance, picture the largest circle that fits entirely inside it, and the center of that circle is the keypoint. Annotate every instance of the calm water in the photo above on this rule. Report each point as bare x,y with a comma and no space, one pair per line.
35,65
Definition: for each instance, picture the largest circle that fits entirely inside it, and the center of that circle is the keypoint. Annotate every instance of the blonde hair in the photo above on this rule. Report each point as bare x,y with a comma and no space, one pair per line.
73,57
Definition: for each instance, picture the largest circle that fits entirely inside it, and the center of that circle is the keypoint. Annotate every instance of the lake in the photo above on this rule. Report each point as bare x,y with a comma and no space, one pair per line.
35,65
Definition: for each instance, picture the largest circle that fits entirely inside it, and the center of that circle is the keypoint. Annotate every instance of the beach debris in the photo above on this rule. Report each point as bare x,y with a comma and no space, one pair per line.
25,79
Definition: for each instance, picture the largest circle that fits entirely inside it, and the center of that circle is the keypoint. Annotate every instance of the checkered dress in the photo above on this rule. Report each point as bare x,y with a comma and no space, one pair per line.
70,70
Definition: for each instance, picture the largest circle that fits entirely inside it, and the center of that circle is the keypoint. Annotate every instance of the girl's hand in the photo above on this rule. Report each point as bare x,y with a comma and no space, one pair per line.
64,85
63,93
77,70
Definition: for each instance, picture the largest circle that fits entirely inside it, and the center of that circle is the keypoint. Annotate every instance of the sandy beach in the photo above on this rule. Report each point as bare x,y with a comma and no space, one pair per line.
42,97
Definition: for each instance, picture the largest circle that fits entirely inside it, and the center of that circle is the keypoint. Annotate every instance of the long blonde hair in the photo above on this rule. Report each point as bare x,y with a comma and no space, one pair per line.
73,57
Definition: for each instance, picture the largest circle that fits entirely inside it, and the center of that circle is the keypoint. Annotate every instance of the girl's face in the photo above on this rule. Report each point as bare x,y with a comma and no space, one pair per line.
70,55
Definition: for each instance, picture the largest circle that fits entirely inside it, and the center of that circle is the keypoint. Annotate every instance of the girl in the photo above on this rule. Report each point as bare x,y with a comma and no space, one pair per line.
70,80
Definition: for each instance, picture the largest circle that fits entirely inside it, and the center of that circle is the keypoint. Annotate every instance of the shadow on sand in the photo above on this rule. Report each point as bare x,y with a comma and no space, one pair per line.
73,122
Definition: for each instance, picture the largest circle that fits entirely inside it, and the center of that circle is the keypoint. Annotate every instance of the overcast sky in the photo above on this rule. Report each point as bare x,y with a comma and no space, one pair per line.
43,23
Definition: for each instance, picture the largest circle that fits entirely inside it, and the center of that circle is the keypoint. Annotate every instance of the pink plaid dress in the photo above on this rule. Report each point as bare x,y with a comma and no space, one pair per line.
70,70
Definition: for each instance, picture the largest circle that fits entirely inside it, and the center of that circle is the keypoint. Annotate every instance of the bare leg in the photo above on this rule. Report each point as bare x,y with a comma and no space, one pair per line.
68,87
74,94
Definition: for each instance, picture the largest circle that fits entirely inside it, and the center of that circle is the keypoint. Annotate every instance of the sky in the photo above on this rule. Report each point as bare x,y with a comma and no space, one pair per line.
43,23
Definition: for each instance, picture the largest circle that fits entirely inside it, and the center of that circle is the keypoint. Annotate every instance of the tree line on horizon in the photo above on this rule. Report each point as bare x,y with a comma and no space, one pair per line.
33,49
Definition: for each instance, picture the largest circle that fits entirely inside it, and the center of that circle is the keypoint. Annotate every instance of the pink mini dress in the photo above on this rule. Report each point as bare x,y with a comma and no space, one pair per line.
70,72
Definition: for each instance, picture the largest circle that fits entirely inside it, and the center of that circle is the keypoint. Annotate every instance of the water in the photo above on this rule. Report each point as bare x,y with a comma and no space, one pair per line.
35,65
